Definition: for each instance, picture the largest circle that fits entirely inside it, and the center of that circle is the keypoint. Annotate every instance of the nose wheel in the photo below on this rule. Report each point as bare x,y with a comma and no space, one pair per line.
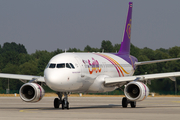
59,101
56,103
65,104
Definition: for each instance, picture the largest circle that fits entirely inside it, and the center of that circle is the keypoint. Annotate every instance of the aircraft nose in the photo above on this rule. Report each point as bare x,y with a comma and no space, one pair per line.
52,79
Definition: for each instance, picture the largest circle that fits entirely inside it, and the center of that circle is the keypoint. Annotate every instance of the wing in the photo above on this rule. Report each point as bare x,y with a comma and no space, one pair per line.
22,77
118,81
155,61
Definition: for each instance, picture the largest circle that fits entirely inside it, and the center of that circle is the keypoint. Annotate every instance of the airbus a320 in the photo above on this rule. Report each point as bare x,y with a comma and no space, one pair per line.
92,73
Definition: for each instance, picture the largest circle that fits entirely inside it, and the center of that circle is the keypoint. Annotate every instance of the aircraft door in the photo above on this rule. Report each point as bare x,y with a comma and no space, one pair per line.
80,65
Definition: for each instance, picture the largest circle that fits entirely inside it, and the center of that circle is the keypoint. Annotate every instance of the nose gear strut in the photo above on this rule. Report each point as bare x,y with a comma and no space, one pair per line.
59,101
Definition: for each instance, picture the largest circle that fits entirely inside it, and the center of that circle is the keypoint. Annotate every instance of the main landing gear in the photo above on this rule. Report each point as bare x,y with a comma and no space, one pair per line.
125,103
59,101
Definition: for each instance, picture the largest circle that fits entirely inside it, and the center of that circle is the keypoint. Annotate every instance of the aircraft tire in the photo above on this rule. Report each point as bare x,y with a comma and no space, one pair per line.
133,104
56,103
63,104
67,105
124,102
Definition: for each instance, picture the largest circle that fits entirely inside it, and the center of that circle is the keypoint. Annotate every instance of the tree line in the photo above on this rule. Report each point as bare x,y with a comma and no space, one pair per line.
15,59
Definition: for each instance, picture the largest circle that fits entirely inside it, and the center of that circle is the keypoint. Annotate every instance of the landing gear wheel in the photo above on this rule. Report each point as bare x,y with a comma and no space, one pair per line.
63,104
67,105
64,101
124,102
56,103
133,104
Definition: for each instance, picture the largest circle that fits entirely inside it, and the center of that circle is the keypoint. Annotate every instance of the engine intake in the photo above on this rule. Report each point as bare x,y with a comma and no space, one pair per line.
31,92
136,91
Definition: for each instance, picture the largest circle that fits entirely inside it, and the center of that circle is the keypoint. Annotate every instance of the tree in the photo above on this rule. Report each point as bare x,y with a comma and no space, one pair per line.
148,52
135,51
87,49
58,51
106,46
14,59
29,68
116,47
11,57
14,84
73,50
174,51
14,47
144,68
43,61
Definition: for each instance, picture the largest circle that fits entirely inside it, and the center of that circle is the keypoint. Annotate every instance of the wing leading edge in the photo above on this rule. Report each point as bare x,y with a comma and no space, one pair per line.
120,80
155,61
22,77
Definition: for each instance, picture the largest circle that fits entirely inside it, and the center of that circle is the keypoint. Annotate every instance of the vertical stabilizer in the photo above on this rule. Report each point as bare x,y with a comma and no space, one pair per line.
125,44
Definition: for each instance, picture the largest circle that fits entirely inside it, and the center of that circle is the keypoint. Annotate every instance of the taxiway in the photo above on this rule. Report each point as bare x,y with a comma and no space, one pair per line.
90,108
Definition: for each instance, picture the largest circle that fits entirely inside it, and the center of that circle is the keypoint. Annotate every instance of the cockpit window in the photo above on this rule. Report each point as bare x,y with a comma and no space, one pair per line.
67,65
62,65
72,65
52,65
47,65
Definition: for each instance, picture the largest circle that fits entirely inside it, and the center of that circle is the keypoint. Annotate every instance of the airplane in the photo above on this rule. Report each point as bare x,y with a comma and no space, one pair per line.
92,73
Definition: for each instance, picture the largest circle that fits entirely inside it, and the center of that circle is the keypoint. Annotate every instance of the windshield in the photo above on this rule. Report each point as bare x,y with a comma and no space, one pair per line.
52,65
62,65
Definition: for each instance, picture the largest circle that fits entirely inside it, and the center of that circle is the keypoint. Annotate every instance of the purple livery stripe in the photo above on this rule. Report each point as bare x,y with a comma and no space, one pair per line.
118,67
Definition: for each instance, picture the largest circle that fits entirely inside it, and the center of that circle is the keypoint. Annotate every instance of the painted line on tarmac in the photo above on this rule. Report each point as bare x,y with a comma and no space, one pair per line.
28,110
176,101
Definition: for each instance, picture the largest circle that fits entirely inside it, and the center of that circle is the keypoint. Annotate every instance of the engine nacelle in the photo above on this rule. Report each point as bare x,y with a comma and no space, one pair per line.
31,92
136,91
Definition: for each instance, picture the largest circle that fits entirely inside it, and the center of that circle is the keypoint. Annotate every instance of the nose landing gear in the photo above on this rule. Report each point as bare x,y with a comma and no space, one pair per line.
59,101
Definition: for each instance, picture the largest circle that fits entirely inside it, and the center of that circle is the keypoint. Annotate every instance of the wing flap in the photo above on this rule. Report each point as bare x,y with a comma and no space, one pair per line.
22,77
118,80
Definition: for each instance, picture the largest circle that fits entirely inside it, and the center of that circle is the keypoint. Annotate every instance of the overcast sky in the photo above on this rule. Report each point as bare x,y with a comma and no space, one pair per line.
51,24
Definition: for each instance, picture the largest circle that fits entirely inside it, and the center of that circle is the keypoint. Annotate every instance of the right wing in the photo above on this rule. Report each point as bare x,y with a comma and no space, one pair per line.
116,81
22,77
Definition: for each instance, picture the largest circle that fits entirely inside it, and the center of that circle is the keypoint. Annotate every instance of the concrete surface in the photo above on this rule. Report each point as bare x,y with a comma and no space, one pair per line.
91,108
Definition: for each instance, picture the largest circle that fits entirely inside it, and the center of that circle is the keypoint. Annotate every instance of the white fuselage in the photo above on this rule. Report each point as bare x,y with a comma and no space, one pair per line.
84,72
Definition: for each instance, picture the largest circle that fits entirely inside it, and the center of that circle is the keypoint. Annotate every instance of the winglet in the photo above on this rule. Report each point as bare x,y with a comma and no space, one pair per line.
125,44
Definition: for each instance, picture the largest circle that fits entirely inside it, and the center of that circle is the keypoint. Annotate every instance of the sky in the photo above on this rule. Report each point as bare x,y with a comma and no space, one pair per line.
52,24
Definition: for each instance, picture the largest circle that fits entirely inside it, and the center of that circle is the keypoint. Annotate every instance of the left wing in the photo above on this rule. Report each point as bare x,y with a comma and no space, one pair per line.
155,61
123,80
22,77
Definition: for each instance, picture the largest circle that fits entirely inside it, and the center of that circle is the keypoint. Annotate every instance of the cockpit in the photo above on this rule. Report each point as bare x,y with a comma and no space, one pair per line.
60,65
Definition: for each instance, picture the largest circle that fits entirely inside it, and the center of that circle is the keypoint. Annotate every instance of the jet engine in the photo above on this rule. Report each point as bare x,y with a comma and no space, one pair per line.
31,92
136,91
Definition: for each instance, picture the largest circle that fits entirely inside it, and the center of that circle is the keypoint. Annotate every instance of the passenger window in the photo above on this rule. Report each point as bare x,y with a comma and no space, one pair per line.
67,65
72,65
52,65
62,65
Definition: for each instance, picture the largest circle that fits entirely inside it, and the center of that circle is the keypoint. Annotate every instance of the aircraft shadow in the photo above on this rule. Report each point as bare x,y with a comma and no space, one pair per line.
87,107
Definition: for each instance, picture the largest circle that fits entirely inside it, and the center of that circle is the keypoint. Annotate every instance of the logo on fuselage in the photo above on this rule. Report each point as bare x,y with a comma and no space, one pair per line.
128,29
93,66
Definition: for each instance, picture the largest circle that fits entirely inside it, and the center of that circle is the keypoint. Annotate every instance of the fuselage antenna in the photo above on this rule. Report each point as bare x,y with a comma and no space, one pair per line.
102,50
